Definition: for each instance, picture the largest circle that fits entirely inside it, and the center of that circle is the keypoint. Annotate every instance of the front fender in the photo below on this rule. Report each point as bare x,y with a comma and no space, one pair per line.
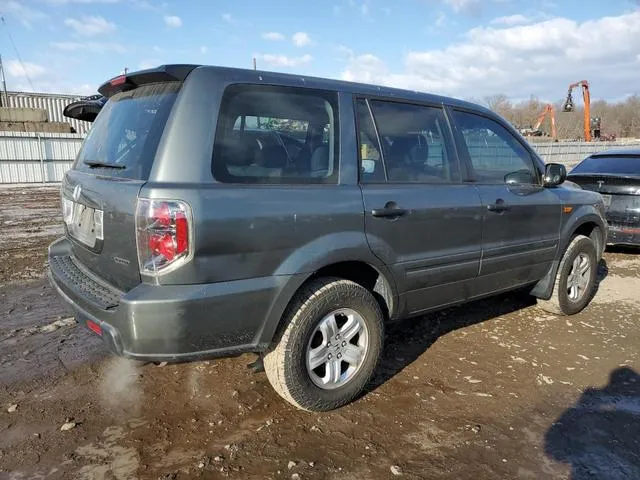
582,215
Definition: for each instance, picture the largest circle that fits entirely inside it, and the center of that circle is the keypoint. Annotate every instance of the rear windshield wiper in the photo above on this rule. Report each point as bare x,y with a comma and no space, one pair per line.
94,164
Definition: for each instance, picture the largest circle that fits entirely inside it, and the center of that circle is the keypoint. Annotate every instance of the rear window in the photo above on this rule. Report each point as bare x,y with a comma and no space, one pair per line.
124,137
614,164
276,135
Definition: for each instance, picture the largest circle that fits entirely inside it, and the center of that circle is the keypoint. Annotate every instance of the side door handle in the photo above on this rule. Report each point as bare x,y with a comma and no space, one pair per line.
390,210
499,207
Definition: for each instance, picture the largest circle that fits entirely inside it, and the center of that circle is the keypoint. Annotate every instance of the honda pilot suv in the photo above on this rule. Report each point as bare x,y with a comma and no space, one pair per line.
214,211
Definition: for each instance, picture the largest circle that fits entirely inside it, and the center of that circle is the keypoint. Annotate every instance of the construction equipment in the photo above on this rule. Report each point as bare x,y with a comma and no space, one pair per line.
569,106
548,110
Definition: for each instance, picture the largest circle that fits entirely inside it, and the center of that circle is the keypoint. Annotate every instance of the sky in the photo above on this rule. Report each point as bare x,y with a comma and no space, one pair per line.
470,49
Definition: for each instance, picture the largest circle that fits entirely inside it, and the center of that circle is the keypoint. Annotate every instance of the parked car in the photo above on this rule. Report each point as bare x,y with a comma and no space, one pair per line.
189,236
615,174
86,108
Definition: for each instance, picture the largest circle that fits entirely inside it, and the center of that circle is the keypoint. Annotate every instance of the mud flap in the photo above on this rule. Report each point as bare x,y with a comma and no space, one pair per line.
544,288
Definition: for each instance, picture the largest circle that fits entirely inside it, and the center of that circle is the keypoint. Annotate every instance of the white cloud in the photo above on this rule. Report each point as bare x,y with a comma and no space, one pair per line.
90,26
301,39
149,63
93,47
463,6
25,15
539,59
228,18
284,61
203,50
29,70
172,21
273,36
55,86
511,20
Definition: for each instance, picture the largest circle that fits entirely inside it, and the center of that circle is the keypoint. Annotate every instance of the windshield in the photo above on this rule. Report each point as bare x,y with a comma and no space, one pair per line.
609,165
126,133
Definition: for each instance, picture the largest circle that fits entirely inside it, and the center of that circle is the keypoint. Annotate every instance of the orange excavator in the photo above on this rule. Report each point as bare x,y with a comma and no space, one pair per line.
569,106
548,110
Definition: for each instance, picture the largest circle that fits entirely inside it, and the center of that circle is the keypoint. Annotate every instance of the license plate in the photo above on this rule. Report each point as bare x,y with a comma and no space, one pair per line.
83,223
607,200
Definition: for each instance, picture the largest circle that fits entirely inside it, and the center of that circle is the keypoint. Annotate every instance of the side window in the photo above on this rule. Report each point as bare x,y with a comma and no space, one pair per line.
371,165
496,155
413,139
276,135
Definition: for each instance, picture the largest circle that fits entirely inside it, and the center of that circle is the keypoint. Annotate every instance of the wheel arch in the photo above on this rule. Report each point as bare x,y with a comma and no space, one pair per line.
374,278
589,224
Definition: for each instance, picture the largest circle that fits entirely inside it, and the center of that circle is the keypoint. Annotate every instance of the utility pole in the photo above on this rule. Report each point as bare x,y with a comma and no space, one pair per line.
254,63
5,102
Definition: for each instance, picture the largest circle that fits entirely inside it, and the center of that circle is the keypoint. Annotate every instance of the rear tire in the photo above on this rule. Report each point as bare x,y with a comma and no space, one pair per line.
574,285
329,346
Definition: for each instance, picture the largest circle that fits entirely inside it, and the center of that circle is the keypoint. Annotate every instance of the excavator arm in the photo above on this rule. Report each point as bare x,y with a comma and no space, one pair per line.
548,110
569,105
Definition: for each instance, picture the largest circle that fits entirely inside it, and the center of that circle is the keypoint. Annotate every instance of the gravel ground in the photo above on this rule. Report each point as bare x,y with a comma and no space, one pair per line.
494,389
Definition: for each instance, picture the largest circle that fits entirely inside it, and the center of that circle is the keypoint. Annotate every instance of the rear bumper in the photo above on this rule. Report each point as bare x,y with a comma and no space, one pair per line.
623,235
168,323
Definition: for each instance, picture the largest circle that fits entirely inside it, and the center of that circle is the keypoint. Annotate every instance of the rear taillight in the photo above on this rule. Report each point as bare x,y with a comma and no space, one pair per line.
163,234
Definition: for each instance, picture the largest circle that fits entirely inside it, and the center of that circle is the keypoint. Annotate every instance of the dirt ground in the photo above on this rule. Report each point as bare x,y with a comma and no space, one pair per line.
494,389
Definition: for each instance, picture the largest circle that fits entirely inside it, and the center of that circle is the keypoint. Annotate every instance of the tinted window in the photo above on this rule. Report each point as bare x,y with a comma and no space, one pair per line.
276,135
616,165
127,131
496,155
371,165
413,143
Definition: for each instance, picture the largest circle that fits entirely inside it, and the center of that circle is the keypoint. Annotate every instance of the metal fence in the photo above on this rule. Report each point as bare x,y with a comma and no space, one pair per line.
36,157
44,157
570,153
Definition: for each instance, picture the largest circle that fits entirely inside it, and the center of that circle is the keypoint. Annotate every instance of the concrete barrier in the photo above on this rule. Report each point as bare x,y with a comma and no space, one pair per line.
14,115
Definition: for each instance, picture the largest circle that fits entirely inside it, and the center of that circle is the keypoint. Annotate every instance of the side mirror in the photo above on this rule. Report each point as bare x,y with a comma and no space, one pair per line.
554,174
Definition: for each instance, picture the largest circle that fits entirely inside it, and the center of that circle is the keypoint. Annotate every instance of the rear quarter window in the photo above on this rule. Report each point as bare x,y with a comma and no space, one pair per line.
127,131
276,135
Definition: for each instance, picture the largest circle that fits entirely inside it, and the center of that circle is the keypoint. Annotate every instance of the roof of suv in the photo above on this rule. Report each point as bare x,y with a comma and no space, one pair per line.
180,72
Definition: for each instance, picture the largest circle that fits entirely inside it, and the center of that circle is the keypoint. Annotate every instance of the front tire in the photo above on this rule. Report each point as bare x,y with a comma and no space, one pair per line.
574,286
329,346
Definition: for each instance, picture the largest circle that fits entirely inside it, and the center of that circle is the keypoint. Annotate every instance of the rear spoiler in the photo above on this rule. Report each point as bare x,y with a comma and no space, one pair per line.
164,73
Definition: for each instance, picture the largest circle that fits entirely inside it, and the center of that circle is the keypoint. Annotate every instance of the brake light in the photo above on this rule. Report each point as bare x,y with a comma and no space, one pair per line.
94,327
162,234
117,81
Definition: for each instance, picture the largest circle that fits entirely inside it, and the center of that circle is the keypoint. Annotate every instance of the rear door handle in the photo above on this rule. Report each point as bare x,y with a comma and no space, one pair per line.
389,212
499,207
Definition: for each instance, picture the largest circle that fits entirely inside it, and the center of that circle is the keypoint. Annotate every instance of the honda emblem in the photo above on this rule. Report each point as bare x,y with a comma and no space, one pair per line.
600,183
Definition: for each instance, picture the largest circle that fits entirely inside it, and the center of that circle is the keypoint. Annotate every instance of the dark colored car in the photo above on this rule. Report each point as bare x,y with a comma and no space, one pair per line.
214,211
615,174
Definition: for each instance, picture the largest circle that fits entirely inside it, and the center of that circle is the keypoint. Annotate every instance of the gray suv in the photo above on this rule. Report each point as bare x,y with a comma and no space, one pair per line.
214,211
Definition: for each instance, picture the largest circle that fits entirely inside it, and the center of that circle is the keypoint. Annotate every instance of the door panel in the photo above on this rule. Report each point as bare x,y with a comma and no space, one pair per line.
437,242
526,233
521,219
420,219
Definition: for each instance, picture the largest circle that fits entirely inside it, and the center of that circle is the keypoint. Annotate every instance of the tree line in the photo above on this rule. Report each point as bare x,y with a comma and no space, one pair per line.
621,118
